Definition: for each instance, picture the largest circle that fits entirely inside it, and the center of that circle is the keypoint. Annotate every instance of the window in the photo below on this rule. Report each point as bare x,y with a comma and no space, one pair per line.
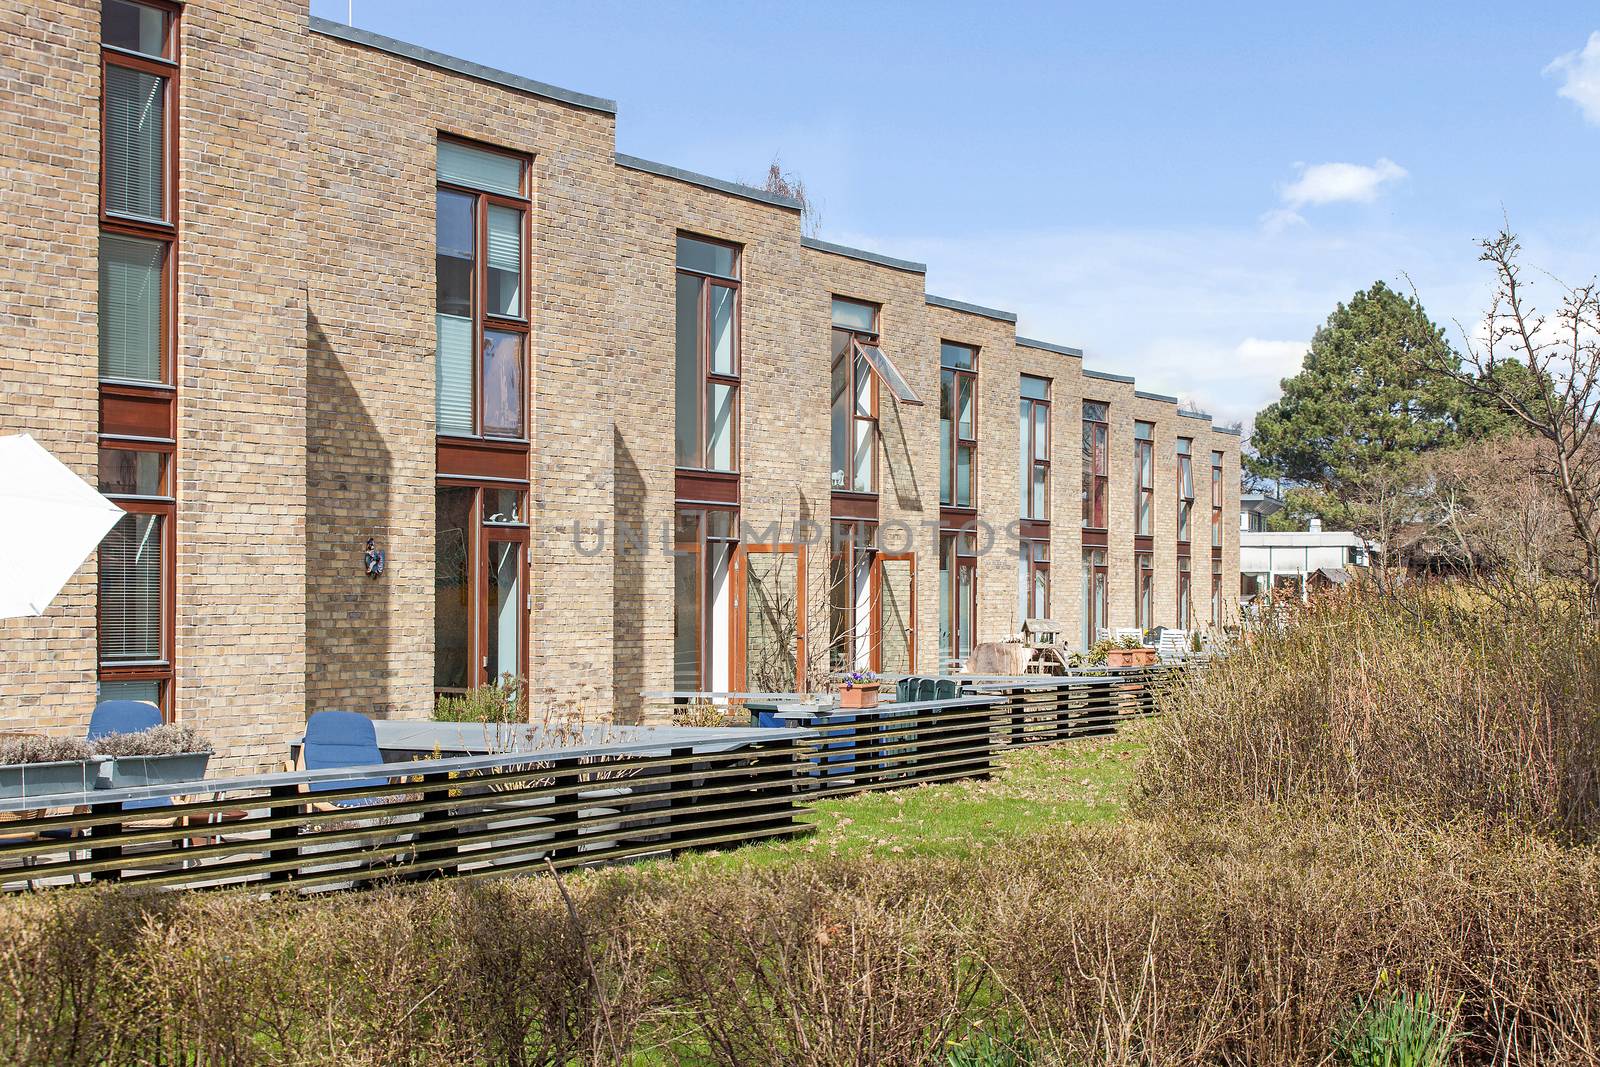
1216,598
1096,463
1184,610
1216,502
707,375
852,596
1094,595
481,219
1144,478
854,397
958,425
705,546
1033,579
958,595
138,144
1185,487
1033,427
1145,590
480,591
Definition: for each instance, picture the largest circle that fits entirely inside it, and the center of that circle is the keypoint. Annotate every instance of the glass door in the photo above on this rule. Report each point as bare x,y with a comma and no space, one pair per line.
897,613
504,607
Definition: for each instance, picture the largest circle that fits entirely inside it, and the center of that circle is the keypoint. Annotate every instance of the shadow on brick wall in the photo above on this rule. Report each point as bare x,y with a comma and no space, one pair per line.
628,578
350,633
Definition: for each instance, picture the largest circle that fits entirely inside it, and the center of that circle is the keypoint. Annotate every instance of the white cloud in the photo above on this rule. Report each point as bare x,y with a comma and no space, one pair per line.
1334,183
1580,77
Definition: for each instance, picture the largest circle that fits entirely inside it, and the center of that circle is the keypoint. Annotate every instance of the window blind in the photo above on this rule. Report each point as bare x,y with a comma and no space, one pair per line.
477,169
135,124
130,590
130,308
505,260
453,374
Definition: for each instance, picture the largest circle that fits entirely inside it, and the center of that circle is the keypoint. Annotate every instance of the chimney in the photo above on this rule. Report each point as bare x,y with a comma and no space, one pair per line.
1316,525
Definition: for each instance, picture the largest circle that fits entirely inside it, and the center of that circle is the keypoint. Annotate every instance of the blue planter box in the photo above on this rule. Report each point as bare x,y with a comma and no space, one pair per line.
130,772
45,779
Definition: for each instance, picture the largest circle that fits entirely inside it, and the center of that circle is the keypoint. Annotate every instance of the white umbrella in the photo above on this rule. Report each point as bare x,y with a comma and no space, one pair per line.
50,520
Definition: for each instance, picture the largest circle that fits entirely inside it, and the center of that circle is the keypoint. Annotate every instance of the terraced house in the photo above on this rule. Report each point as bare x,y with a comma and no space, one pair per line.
288,290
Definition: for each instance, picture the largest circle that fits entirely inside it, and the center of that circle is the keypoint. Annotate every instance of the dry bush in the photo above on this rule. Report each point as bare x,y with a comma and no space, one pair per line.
1410,699
852,963
1159,941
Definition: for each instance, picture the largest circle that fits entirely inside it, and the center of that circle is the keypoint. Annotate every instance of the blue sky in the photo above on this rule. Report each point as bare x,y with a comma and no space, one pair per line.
1183,190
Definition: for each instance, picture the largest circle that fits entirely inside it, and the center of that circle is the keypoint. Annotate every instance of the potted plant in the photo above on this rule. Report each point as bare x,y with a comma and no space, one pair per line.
40,766
1130,652
163,755
858,689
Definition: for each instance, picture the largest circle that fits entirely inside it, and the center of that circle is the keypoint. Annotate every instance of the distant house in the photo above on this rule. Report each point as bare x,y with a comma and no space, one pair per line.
1293,561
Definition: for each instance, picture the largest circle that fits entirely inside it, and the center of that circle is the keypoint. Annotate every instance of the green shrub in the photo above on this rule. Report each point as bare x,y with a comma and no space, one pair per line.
1394,1030
505,701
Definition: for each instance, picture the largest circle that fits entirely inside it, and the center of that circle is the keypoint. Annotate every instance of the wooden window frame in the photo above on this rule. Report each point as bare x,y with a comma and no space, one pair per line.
1097,468
853,365
1144,590
1096,605
161,394
482,320
958,552
1216,501
957,376
708,377
1144,488
1030,507
736,651
478,539
847,551
1033,568
740,627
1185,517
1184,606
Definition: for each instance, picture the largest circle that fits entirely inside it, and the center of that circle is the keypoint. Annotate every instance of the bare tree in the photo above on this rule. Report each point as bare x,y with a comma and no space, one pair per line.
1557,399
788,184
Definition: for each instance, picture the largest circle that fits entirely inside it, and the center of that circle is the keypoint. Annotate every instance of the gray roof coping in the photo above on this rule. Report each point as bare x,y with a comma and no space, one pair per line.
748,192
1234,430
1164,398
1107,376
369,39
1028,342
1193,415
971,309
863,255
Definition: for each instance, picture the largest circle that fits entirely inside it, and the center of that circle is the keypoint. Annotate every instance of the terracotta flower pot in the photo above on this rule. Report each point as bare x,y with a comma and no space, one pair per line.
1130,657
859,696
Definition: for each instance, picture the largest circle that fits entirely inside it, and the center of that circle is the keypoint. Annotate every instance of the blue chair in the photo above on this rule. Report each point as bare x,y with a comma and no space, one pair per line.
340,739
946,689
126,717
122,717
927,688
905,690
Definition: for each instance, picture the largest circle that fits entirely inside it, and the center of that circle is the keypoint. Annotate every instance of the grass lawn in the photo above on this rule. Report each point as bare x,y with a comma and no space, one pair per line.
1033,788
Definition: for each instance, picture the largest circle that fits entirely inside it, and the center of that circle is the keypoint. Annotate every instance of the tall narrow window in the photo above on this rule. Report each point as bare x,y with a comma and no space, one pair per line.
1033,579
852,595
1144,590
854,398
1096,463
705,548
958,595
1185,619
137,353
1216,597
1144,478
1216,502
481,317
1185,487
958,425
1033,430
1094,596
707,376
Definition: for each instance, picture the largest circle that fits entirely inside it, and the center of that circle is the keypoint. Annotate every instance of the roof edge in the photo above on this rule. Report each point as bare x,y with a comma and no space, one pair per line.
971,309
879,258
454,64
1107,376
1193,415
1163,397
747,192
1062,350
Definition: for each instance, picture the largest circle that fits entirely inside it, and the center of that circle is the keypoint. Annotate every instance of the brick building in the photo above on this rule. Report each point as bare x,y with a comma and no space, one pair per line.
283,287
